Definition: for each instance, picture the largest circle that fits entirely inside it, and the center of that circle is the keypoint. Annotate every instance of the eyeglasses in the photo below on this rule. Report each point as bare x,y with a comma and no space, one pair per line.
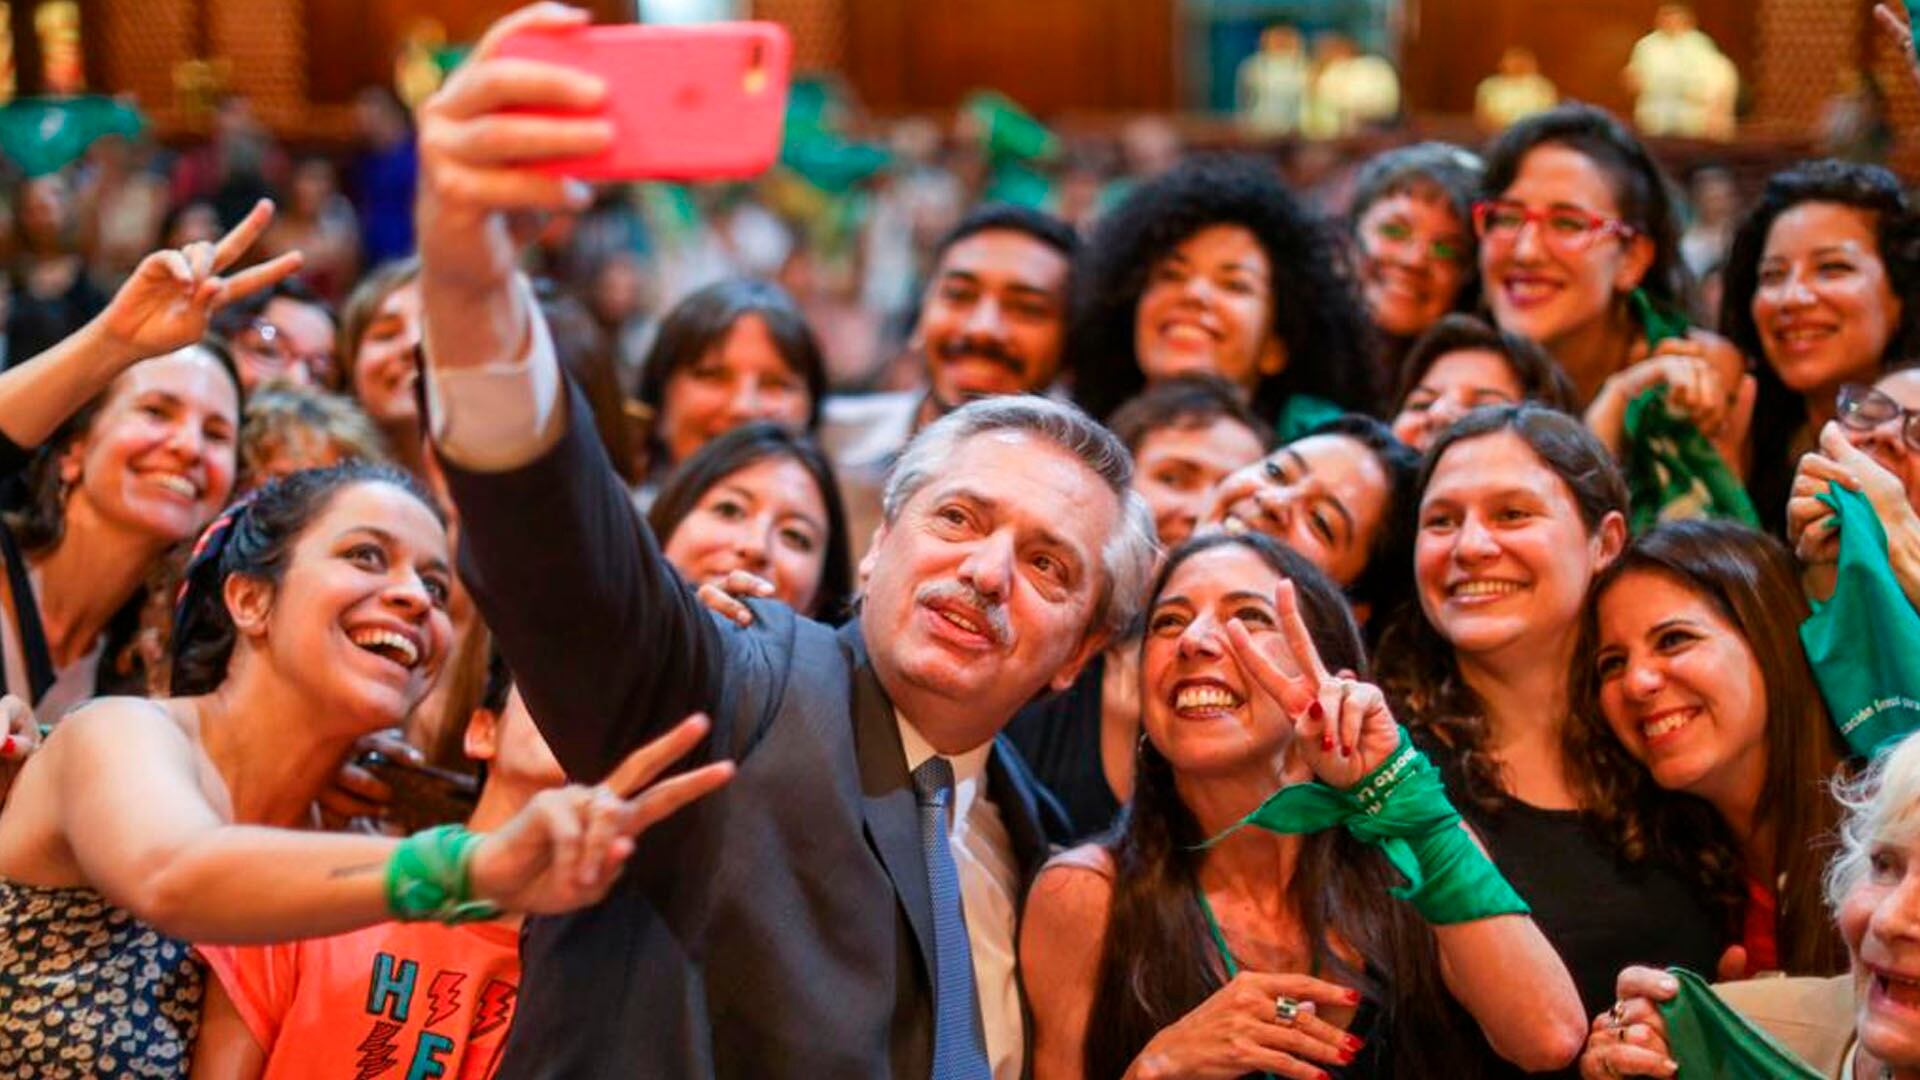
271,350
1567,229
1399,236
1862,408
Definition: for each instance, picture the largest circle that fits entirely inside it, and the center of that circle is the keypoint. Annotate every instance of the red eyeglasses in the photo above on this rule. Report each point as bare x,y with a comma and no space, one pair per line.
1564,228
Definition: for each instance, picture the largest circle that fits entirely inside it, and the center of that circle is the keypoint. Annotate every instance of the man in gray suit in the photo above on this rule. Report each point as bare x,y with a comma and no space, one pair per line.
847,906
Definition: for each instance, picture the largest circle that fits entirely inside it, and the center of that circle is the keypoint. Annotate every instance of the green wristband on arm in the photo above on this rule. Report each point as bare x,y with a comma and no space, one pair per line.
427,878
1402,808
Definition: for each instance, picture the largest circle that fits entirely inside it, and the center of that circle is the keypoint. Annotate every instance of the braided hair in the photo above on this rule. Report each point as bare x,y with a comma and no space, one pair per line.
255,536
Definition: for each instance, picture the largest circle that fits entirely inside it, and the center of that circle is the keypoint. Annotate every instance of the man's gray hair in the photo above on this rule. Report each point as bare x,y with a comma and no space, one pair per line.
1128,555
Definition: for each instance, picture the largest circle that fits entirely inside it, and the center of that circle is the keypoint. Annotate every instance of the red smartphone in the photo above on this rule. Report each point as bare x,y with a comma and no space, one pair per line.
687,102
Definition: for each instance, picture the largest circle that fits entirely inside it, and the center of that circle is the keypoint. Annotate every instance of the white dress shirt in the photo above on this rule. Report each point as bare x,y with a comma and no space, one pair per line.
989,897
504,414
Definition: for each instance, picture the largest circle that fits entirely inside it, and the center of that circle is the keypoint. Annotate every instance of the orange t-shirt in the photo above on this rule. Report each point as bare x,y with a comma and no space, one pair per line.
411,1001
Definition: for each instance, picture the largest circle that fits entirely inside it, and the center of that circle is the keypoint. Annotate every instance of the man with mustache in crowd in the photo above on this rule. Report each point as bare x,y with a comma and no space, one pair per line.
846,906
992,320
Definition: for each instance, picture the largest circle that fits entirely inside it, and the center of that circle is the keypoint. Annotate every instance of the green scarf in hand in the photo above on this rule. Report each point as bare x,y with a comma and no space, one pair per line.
1710,1040
1402,808
1864,642
1673,472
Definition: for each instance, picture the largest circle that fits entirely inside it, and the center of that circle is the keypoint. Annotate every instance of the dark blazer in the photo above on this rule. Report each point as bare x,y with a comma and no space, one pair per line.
780,928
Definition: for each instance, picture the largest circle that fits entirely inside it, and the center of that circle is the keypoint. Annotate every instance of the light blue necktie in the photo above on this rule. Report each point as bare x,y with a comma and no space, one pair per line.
959,1039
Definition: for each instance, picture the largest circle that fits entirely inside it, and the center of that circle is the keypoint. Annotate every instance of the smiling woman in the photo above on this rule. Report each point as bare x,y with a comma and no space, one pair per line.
1217,268
1697,683
1519,508
311,615
130,476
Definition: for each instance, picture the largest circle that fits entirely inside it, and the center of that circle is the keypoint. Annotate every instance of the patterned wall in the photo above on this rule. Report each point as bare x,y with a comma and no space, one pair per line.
819,29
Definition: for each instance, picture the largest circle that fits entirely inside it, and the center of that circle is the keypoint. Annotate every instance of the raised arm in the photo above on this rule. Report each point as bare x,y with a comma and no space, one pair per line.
605,642
128,803
164,305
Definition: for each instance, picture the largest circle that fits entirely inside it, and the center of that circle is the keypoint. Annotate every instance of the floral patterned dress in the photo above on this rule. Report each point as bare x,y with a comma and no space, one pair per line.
88,990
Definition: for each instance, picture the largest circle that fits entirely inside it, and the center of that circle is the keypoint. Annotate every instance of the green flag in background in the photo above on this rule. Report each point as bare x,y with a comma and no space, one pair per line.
1710,1040
1673,472
43,135
1015,145
1864,642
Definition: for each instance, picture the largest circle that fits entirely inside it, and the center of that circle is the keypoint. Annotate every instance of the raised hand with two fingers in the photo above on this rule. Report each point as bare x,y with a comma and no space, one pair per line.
166,303
1342,724
565,849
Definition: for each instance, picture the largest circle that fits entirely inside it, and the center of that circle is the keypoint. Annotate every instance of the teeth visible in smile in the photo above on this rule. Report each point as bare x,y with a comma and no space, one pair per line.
1901,991
1529,290
1802,335
1485,588
1205,697
965,624
1671,722
1187,332
176,483
403,650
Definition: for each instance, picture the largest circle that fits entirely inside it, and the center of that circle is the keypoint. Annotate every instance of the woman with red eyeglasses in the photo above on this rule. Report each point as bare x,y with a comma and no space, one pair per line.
1579,250
1814,282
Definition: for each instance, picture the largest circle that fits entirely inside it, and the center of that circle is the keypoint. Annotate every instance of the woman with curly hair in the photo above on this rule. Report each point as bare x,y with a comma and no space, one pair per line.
1519,508
1690,677
1216,268
1814,286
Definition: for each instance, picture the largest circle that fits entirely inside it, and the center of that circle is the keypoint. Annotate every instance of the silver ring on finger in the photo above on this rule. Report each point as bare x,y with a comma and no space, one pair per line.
1617,1017
1286,1010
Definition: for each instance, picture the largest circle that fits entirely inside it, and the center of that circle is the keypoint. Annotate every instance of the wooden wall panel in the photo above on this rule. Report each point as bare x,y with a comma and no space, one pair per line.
1049,55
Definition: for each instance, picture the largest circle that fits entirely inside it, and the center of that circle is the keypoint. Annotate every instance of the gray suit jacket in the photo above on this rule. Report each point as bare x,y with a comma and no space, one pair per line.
780,928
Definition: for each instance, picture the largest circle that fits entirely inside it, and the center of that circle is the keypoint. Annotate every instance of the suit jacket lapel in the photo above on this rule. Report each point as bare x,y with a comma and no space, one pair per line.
888,803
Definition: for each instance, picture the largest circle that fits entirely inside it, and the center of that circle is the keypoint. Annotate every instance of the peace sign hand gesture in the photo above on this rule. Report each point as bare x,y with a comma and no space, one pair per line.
167,301
1342,725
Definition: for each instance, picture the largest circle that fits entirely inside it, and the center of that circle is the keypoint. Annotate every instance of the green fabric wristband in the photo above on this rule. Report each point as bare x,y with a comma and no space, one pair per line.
427,878
1706,1037
1402,808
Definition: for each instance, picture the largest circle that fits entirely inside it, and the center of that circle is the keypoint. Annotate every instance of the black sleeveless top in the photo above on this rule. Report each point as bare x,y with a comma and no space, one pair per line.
1598,911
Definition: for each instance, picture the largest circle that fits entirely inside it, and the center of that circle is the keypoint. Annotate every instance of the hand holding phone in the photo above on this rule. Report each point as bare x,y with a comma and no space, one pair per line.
686,102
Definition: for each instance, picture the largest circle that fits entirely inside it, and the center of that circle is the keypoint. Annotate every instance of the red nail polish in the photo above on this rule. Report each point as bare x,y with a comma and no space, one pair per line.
1346,1057
1326,744
1346,751
1355,1042
1353,997
9,746
1314,710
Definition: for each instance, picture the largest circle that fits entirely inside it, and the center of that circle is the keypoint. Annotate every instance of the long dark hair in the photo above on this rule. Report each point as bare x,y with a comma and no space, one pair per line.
1780,413
1752,580
699,323
1641,188
1419,670
749,445
1384,583
1157,961
1316,311
256,537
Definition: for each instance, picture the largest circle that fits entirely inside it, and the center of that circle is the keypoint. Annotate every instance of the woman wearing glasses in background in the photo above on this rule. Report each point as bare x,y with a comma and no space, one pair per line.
1578,220
1813,287
1872,446
1412,225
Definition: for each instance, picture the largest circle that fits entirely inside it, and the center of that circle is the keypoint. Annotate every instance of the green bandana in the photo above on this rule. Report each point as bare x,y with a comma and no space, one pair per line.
1673,472
1402,808
1864,642
1709,1039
